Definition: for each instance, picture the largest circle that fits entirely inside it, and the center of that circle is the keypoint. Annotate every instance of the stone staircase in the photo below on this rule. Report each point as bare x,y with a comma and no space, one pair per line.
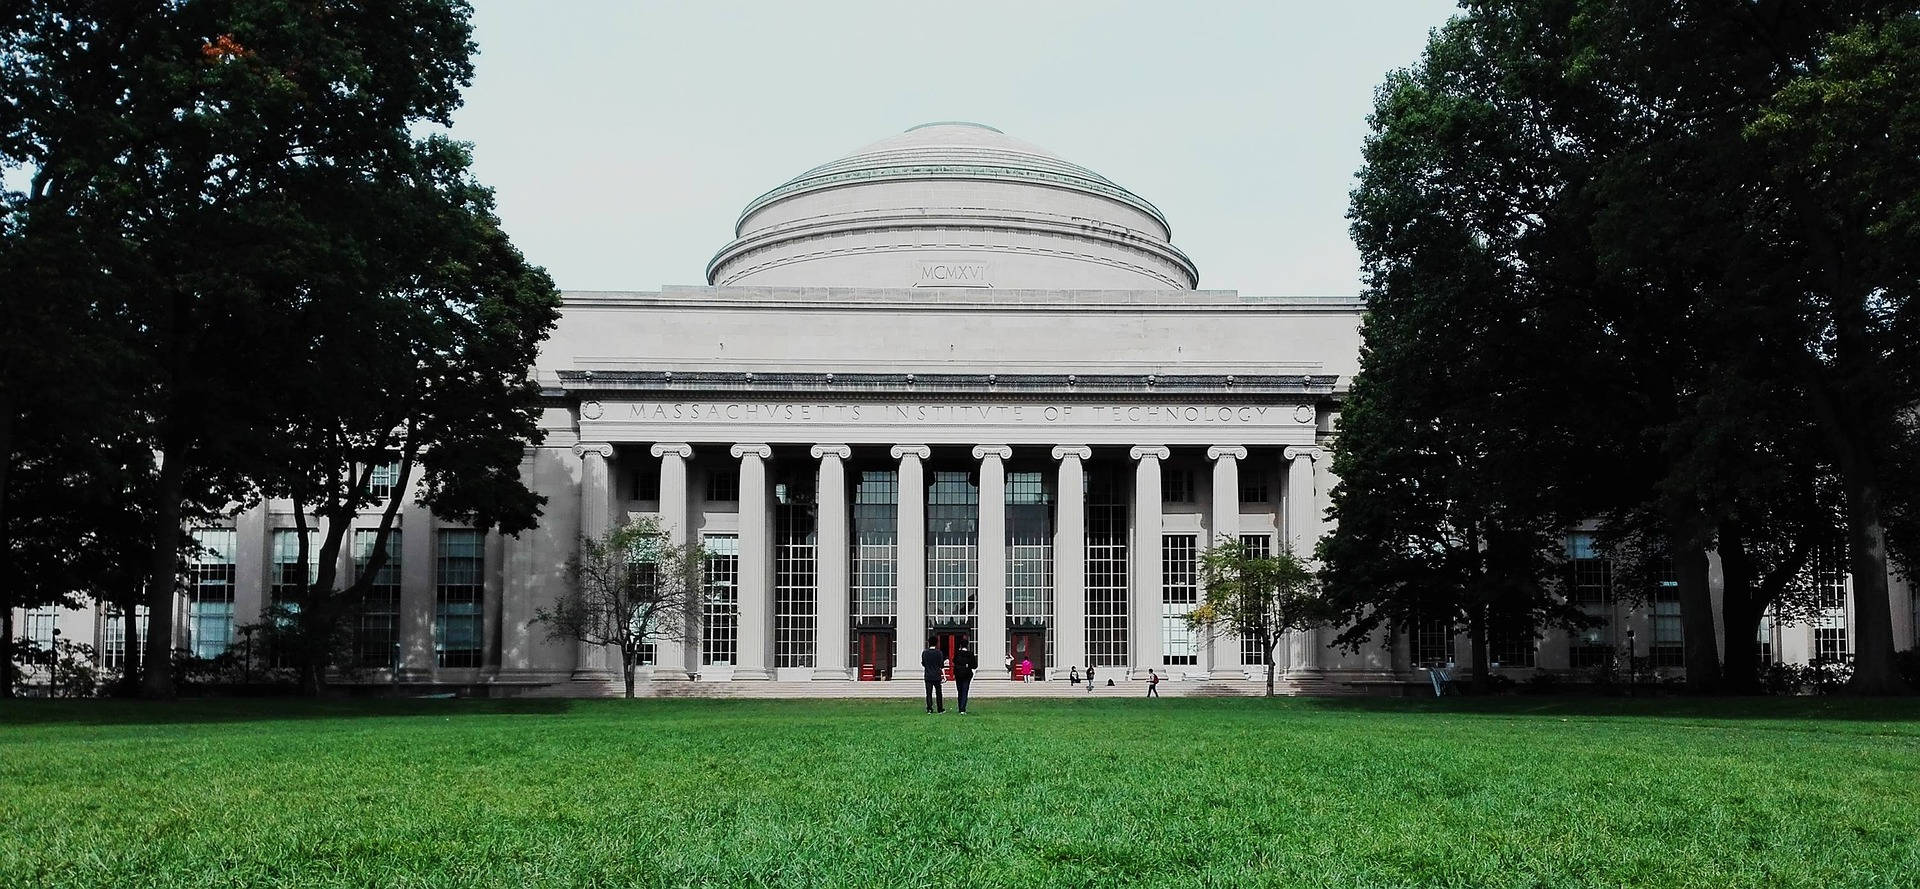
912,689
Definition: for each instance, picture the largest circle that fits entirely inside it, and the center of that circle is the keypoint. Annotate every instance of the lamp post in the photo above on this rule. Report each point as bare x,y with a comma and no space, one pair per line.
1633,675
53,666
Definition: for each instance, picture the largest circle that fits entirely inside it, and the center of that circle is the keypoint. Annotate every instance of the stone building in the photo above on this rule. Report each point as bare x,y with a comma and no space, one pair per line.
948,385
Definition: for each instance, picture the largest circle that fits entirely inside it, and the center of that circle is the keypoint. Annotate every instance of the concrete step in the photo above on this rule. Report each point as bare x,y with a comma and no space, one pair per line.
907,688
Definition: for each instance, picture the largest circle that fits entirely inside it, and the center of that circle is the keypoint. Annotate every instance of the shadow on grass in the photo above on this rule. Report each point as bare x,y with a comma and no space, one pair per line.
28,712
1840,708
110,711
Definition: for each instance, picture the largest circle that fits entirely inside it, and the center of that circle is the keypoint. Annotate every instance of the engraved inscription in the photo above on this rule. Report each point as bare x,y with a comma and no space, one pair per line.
953,414
953,274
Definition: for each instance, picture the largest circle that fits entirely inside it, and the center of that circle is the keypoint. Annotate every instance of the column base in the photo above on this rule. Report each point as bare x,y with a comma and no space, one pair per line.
669,674
831,674
752,674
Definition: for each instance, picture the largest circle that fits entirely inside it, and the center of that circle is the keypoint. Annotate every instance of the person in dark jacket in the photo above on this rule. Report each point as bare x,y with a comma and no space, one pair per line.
964,663
933,661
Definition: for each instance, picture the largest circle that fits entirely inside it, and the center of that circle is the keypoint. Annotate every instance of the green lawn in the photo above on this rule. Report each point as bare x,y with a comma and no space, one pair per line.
1180,792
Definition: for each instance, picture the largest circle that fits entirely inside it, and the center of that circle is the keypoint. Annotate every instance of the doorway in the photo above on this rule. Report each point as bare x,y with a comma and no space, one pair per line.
949,642
1029,645
876,655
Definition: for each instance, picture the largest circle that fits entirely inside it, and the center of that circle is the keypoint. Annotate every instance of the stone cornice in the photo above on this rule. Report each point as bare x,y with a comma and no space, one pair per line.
585,383
829,299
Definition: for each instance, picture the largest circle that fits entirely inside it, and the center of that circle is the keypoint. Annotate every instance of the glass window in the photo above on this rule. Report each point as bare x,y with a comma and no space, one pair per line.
953,551
1176,485
113,636
872,568
1668,648
646,482
376,632
210,578
1256,485
1511,646
720,624
458,591
41,622
290,578
1430,644
384,479
1030,554
1830,643
1179,593
1108,503
723,484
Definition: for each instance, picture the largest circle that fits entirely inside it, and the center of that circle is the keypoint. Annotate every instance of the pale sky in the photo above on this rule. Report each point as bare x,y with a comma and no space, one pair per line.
624,138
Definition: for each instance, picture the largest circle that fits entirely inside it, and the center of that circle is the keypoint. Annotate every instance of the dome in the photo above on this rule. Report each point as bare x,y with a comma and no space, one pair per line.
953,204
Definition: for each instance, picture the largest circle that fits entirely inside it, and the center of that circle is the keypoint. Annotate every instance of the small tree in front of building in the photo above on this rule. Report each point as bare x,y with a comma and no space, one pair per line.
1261,598
632,587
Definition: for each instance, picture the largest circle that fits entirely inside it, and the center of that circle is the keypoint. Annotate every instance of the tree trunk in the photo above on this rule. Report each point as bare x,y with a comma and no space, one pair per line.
1687,546
130,663
163,576
6,649
1269,644
1874,670
626,670
1477,647
1740,613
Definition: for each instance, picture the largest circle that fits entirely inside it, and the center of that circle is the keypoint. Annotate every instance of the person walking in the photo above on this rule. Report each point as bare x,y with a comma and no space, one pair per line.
964,663
933,662
1089,679
1026,670
1153,684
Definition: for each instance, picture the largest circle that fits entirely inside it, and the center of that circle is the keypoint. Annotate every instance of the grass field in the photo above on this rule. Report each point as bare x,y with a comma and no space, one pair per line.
1180,792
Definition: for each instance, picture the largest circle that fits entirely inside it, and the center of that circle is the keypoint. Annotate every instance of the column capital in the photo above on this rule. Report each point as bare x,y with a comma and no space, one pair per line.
1296,452
982,452
678,449
1077,452
1142,452
901,452
593,447
823,451
1235,452
751,450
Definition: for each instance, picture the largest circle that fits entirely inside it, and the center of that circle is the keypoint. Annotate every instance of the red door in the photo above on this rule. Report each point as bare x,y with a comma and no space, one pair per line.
1030,645
950,643
876,655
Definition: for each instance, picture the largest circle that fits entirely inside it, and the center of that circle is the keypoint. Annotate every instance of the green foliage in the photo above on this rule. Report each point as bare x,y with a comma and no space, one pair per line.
1495,792
632,587
288,275
1261,598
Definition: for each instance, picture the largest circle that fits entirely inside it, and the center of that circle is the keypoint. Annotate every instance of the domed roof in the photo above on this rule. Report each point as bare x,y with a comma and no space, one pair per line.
953,149
952,204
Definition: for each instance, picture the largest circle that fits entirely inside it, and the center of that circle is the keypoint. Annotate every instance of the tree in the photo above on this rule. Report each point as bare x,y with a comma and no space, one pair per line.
632,588
186,152
1262,598
1455,485
415,356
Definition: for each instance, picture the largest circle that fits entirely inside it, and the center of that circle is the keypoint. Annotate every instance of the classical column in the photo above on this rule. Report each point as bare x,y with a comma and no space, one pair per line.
1070,557
756,565
830,561
674,658
910,556
991,640
1143,624
1222,652
596,516
1301,532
